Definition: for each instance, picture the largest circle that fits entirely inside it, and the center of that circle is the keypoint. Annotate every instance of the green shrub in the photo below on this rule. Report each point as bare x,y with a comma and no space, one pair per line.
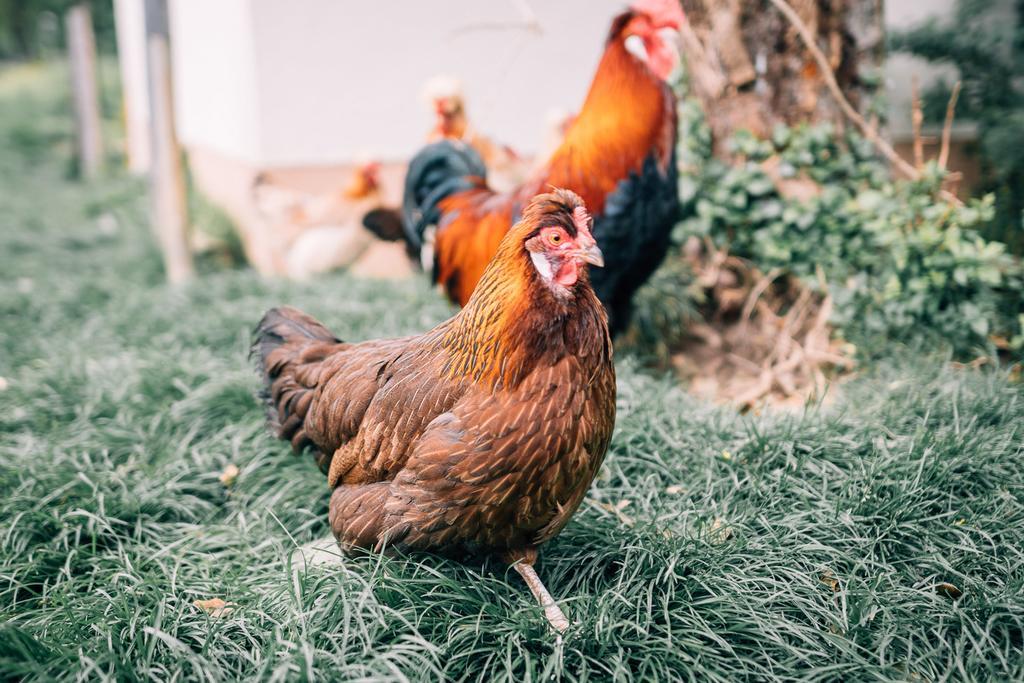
896,260
664,310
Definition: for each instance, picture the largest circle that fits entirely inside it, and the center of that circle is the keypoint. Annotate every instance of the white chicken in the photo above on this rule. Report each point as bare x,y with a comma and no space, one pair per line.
321,232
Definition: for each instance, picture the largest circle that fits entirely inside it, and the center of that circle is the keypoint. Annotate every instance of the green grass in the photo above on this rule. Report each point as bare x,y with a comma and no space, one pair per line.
760,547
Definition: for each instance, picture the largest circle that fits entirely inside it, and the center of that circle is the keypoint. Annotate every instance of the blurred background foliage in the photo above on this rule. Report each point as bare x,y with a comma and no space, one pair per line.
895,260
35,28
816,203
985,42
899,264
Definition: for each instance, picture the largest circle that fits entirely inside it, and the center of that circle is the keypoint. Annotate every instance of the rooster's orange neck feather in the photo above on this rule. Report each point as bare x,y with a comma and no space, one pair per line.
628,113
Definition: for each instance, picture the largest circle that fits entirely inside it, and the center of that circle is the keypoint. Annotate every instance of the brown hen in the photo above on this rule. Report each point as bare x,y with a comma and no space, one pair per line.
478,437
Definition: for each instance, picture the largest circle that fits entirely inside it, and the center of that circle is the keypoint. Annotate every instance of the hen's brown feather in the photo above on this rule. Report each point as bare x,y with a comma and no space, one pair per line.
481,435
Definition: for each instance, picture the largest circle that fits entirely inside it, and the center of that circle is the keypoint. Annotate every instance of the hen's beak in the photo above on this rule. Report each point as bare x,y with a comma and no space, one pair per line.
591,254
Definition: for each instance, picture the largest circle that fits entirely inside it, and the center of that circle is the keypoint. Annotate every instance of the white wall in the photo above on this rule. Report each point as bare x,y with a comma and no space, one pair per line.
215,80
304,82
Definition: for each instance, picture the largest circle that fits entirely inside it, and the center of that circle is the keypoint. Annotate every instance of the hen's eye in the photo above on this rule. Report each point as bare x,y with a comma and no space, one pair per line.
555,238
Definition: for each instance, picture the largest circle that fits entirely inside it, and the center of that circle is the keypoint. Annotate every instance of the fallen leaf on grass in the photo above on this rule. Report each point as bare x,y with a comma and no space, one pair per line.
1000,342
617,510
215,607
948,590
3,383
973,365
675,489
228,476
830,580
719,532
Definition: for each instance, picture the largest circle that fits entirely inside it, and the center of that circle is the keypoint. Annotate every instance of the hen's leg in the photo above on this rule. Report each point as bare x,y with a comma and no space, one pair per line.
360,518
522,561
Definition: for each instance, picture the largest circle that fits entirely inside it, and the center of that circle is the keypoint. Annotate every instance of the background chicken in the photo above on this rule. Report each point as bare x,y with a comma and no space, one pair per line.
505,167
619,155
480,436
326,231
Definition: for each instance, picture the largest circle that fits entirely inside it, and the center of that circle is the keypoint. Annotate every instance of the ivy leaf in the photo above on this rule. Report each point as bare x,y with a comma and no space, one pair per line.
760,185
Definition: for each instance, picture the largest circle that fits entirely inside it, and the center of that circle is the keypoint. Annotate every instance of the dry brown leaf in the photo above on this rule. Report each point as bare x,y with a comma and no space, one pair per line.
974,364
948,590
215,607
1000,342
228,476
719,532
675,489
779,353
1016,372
617,510
830,580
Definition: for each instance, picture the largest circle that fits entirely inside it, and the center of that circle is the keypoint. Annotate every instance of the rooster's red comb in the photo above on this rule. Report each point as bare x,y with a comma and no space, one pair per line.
663,13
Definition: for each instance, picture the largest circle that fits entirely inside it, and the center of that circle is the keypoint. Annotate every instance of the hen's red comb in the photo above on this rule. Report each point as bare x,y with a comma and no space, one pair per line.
582,219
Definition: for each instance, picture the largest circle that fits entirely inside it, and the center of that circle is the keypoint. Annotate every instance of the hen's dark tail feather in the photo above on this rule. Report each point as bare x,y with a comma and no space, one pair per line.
385,223
283,342
437,171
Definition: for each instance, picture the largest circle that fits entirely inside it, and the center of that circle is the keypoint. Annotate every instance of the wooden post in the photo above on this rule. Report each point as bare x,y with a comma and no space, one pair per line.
166,180
82,60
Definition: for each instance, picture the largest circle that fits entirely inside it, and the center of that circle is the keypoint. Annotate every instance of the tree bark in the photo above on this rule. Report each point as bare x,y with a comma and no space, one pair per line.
751,70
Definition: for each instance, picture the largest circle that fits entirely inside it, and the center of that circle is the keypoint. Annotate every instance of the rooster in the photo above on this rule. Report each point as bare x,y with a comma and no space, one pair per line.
479,437
619,155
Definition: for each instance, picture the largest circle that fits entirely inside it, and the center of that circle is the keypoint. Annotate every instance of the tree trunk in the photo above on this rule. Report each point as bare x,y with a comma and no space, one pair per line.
750,69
